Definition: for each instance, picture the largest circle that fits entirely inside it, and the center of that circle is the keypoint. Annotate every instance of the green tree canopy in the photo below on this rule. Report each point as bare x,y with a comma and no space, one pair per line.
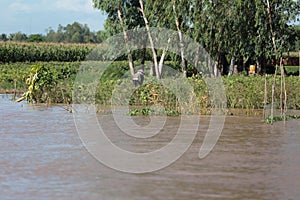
241,30
35,38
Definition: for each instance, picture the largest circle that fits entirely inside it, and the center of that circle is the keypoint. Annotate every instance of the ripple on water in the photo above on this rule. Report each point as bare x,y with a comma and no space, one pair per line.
41,157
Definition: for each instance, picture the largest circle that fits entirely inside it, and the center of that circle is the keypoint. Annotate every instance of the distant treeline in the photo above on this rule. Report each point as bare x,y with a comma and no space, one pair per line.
72,33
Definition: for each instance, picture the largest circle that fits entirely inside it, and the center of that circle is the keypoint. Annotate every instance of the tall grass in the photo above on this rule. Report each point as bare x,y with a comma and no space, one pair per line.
11,52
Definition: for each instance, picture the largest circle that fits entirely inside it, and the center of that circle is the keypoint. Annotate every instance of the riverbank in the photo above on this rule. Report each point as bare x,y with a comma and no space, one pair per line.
107,109
10,91
55,84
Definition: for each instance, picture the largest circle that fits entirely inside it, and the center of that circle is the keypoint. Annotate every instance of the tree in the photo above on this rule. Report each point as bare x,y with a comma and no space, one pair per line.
72,33
35,38
3,37
179,19
239,29
156,66
100,36
164,14
55,36
229,30
19,36
273,17
122,16
295,44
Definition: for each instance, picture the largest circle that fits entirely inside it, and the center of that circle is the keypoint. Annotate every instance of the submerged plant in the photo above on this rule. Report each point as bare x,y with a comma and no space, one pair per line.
149,111
46,84
271,119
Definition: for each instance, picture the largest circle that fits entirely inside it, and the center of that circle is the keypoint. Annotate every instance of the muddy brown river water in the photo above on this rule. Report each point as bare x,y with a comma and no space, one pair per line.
42,157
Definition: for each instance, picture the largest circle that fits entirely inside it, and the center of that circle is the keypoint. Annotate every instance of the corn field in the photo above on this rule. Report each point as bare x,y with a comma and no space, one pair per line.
11,52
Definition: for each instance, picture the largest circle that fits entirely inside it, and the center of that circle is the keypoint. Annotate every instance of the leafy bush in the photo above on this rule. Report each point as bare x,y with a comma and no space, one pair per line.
248,92
19,72
13,73
49,84
291,70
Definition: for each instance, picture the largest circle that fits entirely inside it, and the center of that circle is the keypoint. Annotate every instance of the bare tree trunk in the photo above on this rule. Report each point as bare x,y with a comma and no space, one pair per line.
285,104
271,27
273,98
161,62
177,22
231,70
244,64
273,95
162,58
130,58
15,89
258,67
276,68
216,70
210,66
281,67
265,97
283,92
281,89
143,58
152,69
196,62
150,40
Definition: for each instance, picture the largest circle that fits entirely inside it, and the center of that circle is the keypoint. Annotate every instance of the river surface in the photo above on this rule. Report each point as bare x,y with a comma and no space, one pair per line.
42,157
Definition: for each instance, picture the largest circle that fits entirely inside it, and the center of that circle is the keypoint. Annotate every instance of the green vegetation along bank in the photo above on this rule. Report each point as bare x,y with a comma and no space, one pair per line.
53,82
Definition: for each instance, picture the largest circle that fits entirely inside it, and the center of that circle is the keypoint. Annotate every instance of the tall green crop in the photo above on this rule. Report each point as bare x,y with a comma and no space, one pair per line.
11,52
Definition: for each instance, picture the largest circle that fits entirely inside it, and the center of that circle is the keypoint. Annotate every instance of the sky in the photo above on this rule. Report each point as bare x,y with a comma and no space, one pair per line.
36,16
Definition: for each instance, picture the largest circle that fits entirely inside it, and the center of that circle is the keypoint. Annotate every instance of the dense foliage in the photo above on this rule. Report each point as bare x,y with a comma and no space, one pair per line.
234,33
48,84
44,52
242,93
20,72
243,32
13,73
55,84
248,92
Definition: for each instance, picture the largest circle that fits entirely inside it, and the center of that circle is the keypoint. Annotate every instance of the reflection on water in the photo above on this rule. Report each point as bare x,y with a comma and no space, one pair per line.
41,157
